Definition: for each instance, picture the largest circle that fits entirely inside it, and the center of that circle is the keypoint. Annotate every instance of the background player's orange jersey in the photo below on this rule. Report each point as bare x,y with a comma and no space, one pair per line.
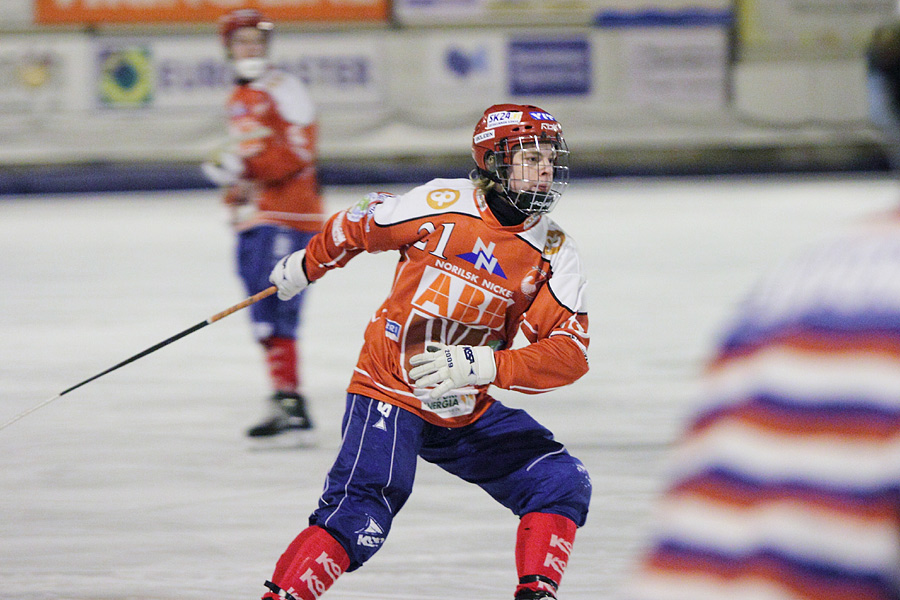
463,278
272,121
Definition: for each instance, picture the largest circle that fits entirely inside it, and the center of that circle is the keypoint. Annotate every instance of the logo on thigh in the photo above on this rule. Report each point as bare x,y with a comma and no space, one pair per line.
370,536
385,409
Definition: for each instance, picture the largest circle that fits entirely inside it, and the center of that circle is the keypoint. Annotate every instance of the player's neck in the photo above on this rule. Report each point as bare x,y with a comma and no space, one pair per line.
506,213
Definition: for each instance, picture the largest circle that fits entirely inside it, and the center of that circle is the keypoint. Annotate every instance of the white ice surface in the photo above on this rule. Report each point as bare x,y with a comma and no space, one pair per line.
140,485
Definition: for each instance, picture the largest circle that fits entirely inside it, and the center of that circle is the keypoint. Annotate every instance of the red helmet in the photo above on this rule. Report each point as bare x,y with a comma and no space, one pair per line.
505,128
245,17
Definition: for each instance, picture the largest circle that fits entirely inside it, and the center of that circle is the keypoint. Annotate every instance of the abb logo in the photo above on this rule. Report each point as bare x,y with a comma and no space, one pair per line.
446,295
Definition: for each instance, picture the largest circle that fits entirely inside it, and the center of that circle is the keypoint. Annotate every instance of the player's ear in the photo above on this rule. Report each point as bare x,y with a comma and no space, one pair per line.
490,161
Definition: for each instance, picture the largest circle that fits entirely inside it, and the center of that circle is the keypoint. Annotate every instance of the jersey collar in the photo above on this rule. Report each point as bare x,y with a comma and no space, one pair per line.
488,216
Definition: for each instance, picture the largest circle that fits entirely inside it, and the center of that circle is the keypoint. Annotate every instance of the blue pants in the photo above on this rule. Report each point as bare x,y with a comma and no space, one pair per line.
506,452
258,250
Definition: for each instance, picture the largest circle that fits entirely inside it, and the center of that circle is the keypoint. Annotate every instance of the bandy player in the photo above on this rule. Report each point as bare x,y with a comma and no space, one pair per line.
270,182
479,262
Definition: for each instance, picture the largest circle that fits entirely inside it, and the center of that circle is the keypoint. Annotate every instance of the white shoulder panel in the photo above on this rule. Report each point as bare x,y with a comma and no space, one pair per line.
433,198
567,281
291,96
536,235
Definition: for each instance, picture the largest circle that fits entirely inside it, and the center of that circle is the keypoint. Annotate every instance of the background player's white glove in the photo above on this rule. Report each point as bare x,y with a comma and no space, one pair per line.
289,276
225,170
451,367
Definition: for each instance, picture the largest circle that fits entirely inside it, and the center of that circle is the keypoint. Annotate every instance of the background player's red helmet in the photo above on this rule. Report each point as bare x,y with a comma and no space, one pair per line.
505,128
245,17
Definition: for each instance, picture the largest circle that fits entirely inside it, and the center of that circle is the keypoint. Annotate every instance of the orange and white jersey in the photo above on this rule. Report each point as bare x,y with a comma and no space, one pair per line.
272,125
462,278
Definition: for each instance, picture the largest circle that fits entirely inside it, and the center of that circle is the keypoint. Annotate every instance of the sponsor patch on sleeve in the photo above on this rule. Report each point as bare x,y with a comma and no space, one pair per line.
356,212
366,206
392,330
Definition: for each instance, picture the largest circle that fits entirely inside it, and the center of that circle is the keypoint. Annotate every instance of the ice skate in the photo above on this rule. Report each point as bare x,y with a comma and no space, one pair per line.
286,424
534,595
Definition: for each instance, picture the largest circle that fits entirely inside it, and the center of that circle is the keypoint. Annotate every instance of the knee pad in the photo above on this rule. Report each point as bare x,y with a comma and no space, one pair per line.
578,493
564,489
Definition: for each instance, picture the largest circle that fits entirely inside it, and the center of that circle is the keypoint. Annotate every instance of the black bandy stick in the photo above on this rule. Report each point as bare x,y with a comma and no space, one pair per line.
216,317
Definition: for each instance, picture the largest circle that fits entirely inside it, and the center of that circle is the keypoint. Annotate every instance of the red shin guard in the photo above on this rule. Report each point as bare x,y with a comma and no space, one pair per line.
309,566
543,545
281,358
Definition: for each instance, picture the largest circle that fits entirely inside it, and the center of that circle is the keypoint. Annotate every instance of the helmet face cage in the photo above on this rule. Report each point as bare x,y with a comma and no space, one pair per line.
535,196
507,129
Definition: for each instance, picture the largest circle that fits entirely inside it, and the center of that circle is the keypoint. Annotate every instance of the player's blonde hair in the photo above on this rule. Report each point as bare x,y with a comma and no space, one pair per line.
483,182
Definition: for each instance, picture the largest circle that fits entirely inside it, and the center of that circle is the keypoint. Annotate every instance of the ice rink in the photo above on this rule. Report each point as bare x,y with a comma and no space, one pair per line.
141,485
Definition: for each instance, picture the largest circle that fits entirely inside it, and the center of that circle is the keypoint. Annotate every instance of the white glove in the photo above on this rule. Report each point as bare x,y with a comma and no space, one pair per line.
451,367
289,276
226,170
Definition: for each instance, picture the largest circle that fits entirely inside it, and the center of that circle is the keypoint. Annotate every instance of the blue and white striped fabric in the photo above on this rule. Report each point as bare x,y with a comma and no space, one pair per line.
787,483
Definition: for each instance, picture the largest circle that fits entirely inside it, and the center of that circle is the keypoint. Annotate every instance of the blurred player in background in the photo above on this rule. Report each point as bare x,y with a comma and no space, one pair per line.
786,485
479,261
269,174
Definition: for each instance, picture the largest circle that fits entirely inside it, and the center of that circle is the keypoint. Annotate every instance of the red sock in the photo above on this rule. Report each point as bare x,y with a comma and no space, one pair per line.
309,566
543,545
281,357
